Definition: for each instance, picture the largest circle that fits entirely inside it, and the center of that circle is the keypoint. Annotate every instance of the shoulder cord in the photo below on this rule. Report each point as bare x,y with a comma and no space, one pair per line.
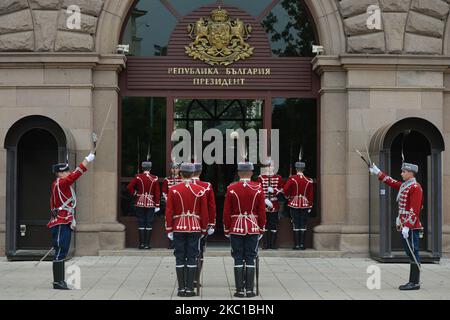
65,205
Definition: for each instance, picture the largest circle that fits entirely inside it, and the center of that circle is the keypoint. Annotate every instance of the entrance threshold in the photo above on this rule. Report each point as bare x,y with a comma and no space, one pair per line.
224,251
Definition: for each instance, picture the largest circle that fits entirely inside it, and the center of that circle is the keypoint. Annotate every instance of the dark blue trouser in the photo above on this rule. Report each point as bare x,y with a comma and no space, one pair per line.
299,219
272,221
61,236
244,249
187,248
413,241
145,217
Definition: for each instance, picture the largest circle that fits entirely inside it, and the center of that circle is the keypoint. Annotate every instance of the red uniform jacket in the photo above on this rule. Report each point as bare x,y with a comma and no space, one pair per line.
299,191
145,187
210,199
186,208
410,201
168,182
244,210
63,198
276,183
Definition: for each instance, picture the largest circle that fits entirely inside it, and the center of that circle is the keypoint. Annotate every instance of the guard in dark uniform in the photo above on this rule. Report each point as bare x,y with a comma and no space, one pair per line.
410,203
145,188
186,223
169,181
299,192
63,202
211,200
244,220
272,185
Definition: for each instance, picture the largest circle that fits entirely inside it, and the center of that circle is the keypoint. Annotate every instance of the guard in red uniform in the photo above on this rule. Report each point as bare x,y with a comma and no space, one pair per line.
145,188
410,203
244,220
63,202
186,222
211,200
172,180
272,184
299,192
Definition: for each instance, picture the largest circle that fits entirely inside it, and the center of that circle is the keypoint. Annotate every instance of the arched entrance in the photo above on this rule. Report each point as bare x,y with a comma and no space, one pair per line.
33,144
162,81
422,144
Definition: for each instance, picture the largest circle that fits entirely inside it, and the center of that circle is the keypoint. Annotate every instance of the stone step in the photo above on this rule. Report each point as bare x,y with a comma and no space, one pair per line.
225,252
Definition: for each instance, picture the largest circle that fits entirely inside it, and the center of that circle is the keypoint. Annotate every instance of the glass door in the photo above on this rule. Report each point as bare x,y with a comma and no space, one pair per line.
221,114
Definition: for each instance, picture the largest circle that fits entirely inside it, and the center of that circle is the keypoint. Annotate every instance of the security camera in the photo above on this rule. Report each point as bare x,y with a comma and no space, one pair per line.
123,48
317,49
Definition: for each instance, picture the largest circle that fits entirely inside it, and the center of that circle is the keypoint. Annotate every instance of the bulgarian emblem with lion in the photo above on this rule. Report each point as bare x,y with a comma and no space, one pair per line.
218,40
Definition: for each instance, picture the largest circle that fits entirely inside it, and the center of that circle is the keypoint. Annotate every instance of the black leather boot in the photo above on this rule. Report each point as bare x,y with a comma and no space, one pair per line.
302,239
296,240
148,236
414,282
239,282
190,282
249,282
59,272
273,240
266,244
181,281
141,239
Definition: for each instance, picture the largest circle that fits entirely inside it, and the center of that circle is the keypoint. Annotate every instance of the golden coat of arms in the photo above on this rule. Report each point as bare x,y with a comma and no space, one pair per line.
218,40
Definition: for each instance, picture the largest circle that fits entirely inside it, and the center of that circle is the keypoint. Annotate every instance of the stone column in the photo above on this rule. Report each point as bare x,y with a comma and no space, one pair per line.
446,168
101,230
333,146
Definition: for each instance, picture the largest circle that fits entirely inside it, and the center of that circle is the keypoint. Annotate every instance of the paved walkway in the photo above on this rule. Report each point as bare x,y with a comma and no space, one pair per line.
128,277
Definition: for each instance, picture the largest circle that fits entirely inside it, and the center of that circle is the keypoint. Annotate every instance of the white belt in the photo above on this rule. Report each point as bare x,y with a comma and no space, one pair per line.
187,215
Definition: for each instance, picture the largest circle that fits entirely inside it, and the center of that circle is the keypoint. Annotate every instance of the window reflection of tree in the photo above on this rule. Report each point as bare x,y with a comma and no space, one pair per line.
290,30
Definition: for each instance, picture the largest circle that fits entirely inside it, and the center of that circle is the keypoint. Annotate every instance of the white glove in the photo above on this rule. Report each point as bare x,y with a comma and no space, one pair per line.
157,210
309,211
210,231
270,189
268,203
397,222
73,224
227,235
90,157
405,232
374,169
260,237
170,236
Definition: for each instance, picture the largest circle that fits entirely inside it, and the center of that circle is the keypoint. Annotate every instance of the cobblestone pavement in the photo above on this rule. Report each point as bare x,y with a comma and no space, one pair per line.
134,277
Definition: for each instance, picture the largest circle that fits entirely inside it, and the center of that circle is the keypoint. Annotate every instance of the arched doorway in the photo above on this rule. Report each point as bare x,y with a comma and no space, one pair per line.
422,144
33,144
161,79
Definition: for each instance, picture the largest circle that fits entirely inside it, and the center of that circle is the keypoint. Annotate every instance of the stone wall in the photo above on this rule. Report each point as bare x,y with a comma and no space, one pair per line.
40,25
407,26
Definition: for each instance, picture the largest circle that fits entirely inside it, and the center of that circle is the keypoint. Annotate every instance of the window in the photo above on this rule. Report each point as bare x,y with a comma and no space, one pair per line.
143,121
290,29
297,121
288,25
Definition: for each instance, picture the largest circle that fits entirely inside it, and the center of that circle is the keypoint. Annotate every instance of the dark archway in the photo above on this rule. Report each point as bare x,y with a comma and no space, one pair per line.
422,144
33,144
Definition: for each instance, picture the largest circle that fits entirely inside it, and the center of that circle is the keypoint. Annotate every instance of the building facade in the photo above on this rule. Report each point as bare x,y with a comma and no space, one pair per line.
383,81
